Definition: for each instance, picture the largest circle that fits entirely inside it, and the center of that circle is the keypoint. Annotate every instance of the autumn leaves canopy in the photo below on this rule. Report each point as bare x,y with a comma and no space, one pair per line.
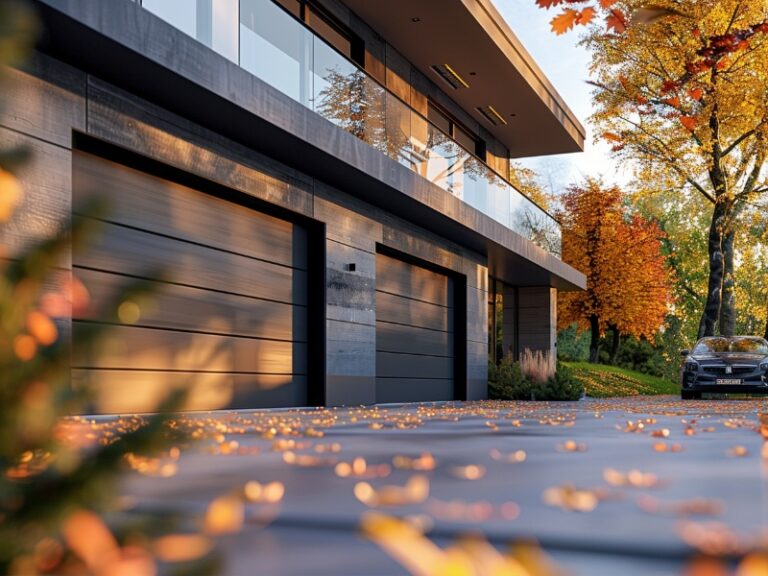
628,283
681,96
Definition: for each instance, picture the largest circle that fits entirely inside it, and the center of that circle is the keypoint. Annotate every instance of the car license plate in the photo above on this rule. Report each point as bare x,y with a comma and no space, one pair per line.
729,381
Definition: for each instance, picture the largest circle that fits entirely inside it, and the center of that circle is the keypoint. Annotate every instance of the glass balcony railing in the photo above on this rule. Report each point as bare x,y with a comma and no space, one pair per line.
282,51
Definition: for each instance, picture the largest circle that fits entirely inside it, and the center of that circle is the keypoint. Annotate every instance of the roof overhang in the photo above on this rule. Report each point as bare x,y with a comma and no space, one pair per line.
475,41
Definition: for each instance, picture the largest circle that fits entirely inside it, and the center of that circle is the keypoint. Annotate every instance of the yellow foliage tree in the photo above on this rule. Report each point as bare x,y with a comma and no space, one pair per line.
684,99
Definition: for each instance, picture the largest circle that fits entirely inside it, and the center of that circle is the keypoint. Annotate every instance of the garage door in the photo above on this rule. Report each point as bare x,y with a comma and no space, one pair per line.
414,333
227,314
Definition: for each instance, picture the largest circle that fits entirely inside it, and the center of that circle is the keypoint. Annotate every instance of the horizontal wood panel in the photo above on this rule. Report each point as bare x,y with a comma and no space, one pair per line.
136,348
413,389
404,279
395,365
45,100
412,340
129,251
401,310
181,307
121,118
157,205
45,203
116,391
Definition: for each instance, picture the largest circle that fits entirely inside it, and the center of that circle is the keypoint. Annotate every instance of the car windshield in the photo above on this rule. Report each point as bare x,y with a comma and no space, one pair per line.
738,345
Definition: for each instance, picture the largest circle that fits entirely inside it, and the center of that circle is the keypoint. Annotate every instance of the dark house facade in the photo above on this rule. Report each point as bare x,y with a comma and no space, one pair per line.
316,192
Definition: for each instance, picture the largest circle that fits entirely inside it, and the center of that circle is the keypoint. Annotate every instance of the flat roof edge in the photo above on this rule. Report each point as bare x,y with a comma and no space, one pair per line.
490,18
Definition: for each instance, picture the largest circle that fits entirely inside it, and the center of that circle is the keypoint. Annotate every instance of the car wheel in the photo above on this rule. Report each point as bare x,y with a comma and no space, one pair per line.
690,395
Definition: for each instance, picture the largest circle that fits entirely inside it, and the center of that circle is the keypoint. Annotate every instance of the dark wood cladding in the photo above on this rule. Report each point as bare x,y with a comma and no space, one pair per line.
414,332
404,279
170,306
406,339
143,201
228,309
139,253
404,310
138,390
413,389
394,365
137,348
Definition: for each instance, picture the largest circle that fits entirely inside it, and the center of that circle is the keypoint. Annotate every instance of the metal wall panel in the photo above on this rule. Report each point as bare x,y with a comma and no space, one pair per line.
414,332
226,316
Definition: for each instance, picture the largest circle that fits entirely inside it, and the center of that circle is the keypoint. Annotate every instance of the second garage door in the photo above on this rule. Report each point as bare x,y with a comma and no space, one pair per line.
414,332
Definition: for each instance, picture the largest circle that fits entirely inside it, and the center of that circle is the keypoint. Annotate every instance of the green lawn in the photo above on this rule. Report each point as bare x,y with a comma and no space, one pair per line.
605,381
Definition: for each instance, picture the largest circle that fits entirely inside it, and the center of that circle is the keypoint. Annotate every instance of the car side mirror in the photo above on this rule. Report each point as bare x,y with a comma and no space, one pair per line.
684,353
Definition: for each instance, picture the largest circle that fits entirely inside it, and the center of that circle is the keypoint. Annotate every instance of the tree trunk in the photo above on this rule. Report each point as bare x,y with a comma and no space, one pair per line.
727,323
711,313
766,322
615,344
594,344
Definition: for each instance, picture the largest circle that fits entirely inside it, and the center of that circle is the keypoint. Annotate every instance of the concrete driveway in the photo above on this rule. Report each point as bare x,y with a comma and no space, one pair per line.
625,486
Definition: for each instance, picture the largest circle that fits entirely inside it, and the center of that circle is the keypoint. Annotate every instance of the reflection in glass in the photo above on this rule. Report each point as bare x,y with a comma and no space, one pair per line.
282,51
180,13
212,23
276,48
348,97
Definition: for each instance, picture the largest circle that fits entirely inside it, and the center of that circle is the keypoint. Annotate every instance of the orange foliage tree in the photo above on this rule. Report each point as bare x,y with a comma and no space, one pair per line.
628,282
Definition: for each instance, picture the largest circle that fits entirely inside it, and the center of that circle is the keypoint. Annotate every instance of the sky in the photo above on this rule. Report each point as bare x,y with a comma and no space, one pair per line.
567,66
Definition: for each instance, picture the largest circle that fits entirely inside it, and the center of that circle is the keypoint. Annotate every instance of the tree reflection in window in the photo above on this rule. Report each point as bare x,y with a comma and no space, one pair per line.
358,104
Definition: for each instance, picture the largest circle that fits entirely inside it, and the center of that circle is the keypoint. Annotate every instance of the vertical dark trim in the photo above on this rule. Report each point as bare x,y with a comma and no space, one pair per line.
516,292
316,316
493,327
459,336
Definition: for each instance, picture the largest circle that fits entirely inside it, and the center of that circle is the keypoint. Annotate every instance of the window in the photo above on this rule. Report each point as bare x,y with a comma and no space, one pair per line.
214,23
502,321
327,27
447,124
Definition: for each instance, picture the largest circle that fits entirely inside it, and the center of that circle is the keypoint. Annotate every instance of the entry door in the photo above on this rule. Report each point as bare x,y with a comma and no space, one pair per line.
414,332
227,313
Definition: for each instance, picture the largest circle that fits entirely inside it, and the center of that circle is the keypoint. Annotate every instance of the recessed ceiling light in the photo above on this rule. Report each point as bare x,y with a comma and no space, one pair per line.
491,114
415,19
450,76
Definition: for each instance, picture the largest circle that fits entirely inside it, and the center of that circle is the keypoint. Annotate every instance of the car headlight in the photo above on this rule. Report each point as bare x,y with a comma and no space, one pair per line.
693,366
764,365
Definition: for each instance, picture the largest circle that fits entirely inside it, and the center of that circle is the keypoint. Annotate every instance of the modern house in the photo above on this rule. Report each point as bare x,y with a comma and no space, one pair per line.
315,191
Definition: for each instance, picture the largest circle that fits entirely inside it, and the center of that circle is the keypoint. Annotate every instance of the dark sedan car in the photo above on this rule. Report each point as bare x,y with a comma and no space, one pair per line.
736,364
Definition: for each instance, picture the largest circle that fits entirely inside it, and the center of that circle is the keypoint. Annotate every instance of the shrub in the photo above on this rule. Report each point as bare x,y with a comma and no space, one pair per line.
508,382
640,356
562,385
538,366
572,346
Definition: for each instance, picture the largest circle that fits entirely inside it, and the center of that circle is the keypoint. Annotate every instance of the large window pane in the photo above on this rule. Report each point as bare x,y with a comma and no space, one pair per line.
348,97
214,23
224,28
180,13
329,33
276,48
398,128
